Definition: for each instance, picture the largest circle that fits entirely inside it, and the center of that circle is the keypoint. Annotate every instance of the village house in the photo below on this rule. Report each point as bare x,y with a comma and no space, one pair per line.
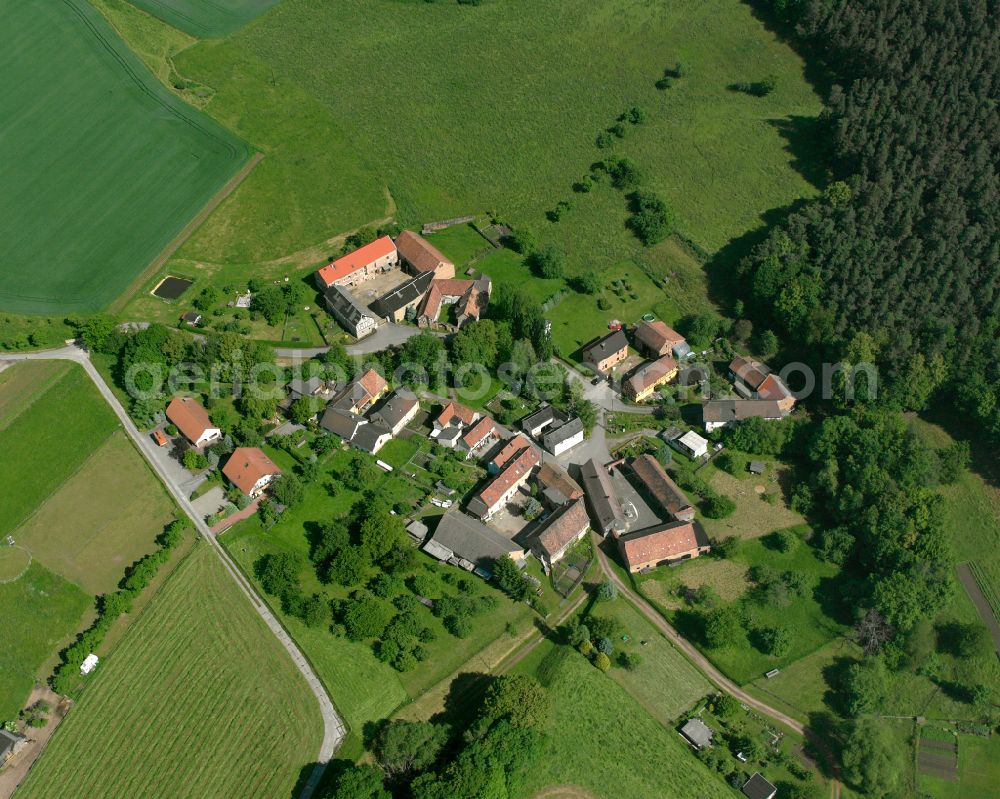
422,257
447,428
559,532
312,387
723,413
470,298
506,453
556,486
361,393
662,544
398,410
642,383
755,380
11,743
607,352
341,423
482,435
469,544
401,302
554,429
495,495
691,444
192,420
698,733
661,488
757,787
371,437
354,317
656,339
602,499
361,264
250,470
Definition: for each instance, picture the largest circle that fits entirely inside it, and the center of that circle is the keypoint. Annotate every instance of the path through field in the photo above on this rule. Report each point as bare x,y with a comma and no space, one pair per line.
982,604
333,726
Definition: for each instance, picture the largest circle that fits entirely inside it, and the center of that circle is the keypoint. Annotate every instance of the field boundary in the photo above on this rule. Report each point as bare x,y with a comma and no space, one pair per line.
186,232
967,577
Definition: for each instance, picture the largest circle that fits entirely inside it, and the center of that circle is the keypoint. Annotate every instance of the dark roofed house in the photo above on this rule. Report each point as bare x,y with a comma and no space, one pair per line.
605,509
559,532
355,318
545,417
759,788
372,437
341,423
394,305
461,540
397,411
721,413
698,733
10,744
558,440
662,488
607,352
313,387
662,544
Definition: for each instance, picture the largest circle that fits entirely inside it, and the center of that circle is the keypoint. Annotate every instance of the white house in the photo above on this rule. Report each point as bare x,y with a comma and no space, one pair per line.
692,444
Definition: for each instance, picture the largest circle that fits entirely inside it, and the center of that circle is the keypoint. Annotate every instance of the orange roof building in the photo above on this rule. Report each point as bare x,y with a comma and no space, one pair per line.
657,338
250,470
422,256
501,489
662,544
661,488
454,414
359,265
559,532
192,420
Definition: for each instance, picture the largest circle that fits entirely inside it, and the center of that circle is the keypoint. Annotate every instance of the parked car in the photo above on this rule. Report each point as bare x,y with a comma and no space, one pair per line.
160,438
597,380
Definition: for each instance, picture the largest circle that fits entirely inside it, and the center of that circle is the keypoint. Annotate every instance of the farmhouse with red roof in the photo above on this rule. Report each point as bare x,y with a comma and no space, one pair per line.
250,470
192,420
359,265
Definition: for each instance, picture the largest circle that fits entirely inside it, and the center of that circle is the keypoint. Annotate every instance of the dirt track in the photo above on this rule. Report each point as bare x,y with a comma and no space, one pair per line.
982,606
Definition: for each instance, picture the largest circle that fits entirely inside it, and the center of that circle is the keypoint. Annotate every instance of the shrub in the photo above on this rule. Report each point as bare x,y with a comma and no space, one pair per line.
603,662
719,507
652,220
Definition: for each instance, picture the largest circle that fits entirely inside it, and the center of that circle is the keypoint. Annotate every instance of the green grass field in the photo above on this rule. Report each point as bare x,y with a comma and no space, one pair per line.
665,683
363,688
78,499
978,771
240,720
38,614
510,124
590,710
103,165
206,20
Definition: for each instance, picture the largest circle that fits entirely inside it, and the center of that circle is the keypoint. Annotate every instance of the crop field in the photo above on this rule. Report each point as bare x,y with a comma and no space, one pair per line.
658,762
506,123
240,721
206,20
978,771
102,165
78,501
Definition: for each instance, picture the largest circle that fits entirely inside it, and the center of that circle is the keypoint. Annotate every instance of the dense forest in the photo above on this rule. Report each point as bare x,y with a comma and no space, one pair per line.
899,261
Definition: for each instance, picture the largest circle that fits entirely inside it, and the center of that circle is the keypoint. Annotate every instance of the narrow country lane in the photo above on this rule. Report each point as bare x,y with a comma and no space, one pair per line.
711,672
333,727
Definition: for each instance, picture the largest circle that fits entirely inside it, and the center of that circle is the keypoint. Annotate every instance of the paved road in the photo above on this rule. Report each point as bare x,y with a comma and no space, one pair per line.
333,727
706,667
386,336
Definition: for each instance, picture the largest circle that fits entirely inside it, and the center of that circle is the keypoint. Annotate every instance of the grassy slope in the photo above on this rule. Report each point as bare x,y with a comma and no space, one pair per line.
240,720
505,120
206,20
96,141
103,518
363,687
49,608
591,711
42,447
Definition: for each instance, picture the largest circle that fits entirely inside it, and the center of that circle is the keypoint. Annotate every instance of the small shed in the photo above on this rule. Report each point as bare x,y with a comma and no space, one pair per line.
759,788
698,733
417,530
757,467
692,444
89,663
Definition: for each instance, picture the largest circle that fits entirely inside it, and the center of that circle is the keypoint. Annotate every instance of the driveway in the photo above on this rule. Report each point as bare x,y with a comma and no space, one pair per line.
387,335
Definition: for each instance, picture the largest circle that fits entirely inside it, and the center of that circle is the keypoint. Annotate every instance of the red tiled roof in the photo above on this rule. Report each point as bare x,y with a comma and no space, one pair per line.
656,335
662,542
511,448
453,411
372,382
749,371
483,429
246,466
359,259
191,419
563,526
772,389
652,373
419,253
512,472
